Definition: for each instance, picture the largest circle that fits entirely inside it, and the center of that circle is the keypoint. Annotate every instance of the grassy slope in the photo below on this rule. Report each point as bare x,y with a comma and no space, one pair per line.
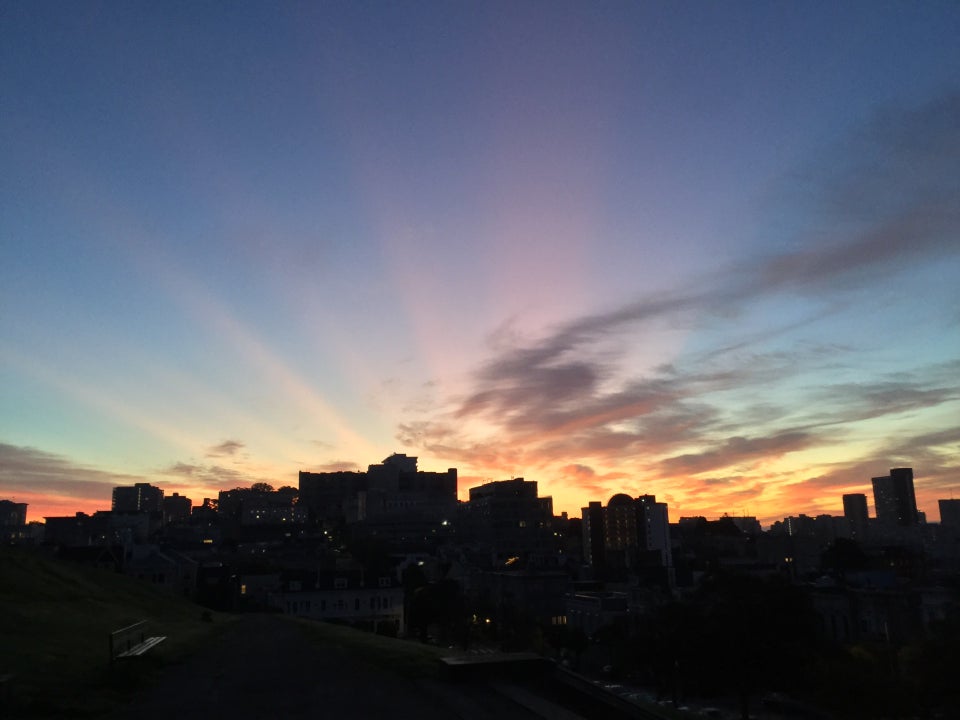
55,619
404,657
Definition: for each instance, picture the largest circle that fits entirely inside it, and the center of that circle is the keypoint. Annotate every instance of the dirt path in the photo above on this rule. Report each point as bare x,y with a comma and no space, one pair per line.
264,669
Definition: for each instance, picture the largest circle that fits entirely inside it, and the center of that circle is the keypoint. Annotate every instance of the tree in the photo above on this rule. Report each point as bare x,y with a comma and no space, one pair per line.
440,603
759,632
932,665
262,487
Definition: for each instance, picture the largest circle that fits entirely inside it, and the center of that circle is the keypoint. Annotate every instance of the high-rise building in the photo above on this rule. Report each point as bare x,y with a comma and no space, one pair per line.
656,526
855,511
949,512
176,508
14,514
141,497
509,517
894,498
628,534
592,527
13,520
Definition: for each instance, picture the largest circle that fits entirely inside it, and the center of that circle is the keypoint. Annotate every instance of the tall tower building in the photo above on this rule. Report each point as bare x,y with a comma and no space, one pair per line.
894,498
593,545
628,534
855,511
949,512
141,497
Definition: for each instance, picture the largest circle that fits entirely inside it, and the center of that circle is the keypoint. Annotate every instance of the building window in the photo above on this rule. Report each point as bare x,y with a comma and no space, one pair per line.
339,583
384,582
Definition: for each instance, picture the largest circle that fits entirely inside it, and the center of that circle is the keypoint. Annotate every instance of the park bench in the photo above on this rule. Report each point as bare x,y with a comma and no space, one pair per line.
132,641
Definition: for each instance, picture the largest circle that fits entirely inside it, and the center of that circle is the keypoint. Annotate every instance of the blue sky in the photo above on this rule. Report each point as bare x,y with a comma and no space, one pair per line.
703,250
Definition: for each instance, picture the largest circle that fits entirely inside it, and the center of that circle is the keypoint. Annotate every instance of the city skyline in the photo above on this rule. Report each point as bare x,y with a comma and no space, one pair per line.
134,498
707,253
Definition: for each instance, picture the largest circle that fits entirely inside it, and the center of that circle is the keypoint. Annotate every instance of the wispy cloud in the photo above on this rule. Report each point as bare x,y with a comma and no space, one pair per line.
738,450
226,449
213,477
29,474
885,203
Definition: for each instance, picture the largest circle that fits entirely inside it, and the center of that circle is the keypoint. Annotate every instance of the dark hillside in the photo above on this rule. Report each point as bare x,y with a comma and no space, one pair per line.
55,619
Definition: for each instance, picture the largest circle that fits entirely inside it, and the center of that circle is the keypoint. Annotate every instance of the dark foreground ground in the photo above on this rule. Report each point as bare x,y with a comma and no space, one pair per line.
266,667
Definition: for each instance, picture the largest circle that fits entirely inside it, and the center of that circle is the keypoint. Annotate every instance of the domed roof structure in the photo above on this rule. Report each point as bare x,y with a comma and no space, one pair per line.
619,500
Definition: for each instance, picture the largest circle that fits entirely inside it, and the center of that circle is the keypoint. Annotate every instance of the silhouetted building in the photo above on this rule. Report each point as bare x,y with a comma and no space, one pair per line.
141,497
800,525
328,495
855,511
205,512
592,528
13,521
14,514
949,513
748,525
124,528
656,527
261,506
396,487
894,498
176,508
68,531
508,517
385,494
627,535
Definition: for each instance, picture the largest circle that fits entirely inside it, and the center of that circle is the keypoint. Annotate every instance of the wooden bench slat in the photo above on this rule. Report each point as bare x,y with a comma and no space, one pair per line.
132,641
141,648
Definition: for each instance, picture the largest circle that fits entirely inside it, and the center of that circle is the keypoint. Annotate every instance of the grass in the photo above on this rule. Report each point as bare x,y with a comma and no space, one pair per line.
55,620
408,658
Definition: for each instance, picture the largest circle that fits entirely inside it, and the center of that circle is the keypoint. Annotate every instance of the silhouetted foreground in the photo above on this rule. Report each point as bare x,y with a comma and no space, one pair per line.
264,667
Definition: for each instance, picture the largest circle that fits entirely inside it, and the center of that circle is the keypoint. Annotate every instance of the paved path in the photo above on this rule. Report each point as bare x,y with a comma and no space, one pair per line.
264,669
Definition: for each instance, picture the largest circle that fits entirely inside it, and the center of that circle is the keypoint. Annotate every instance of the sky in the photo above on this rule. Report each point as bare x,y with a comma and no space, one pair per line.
707,251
